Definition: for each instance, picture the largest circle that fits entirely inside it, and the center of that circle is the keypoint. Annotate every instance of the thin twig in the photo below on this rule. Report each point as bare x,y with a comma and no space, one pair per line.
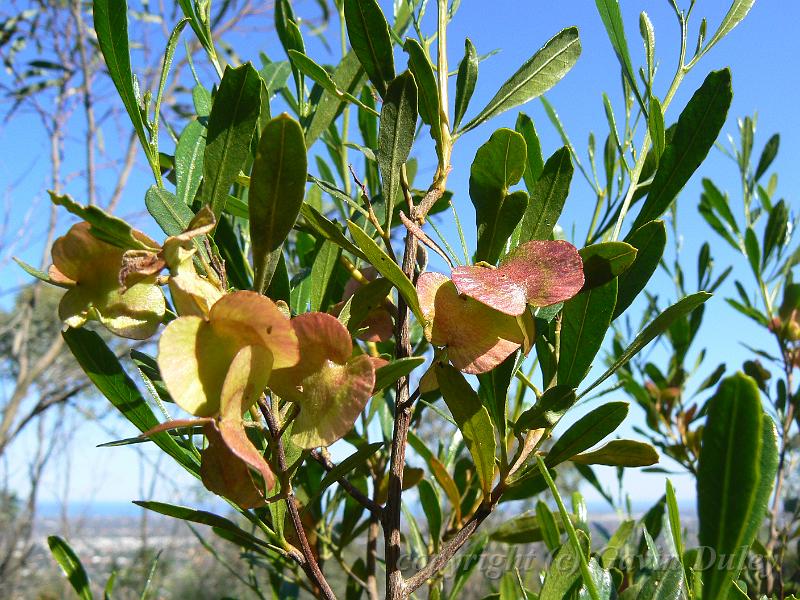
354,492
309,561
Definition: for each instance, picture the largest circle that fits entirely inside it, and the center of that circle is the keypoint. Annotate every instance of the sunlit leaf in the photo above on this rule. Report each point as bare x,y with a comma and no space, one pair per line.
473,420
498,164
369,37
231,126
738,461
277,189
539,73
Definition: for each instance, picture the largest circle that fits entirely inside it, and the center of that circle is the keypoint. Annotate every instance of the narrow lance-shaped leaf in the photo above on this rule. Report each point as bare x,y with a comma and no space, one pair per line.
465,81
105,371
612,20
736,13
539,73
230,129
584,323
619,453
655,124
695,133
189,162
369,37
277,188
649,241
473,420
110,20
396,136
347,76
387,267
587,431
656,327
738,461
69,562
534,161
767,156
429,111
548,195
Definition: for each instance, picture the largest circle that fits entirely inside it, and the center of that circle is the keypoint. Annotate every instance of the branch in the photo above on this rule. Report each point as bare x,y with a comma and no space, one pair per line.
355,493
309,564
440,560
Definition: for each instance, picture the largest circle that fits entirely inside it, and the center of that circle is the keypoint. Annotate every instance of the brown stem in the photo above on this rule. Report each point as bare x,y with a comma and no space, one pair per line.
372,553
355,493
440,560
309,564
402,418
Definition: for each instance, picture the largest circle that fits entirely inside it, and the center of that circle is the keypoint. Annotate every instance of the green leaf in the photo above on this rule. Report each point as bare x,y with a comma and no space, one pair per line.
308,67
738,462
203,517
110,19
649,241
231,126
347,76
550,533
432,507
655,124
396,135
498,164
752,250
369,37
69,562
612,20
602,262
324,263
473,421
655,328
587,431
620,453
33,271
387,267
736,13
493,391
523,529
277,189
465,81
539,73
674,519
388,374
420,65
665,583
562,575
535,163
172,216
189,162
548,195
584,323
547,411
695,133
104,226
767,156
327,229
775,232
104,370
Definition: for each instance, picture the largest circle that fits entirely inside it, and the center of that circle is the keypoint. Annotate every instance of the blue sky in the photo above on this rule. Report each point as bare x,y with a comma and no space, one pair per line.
761,52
